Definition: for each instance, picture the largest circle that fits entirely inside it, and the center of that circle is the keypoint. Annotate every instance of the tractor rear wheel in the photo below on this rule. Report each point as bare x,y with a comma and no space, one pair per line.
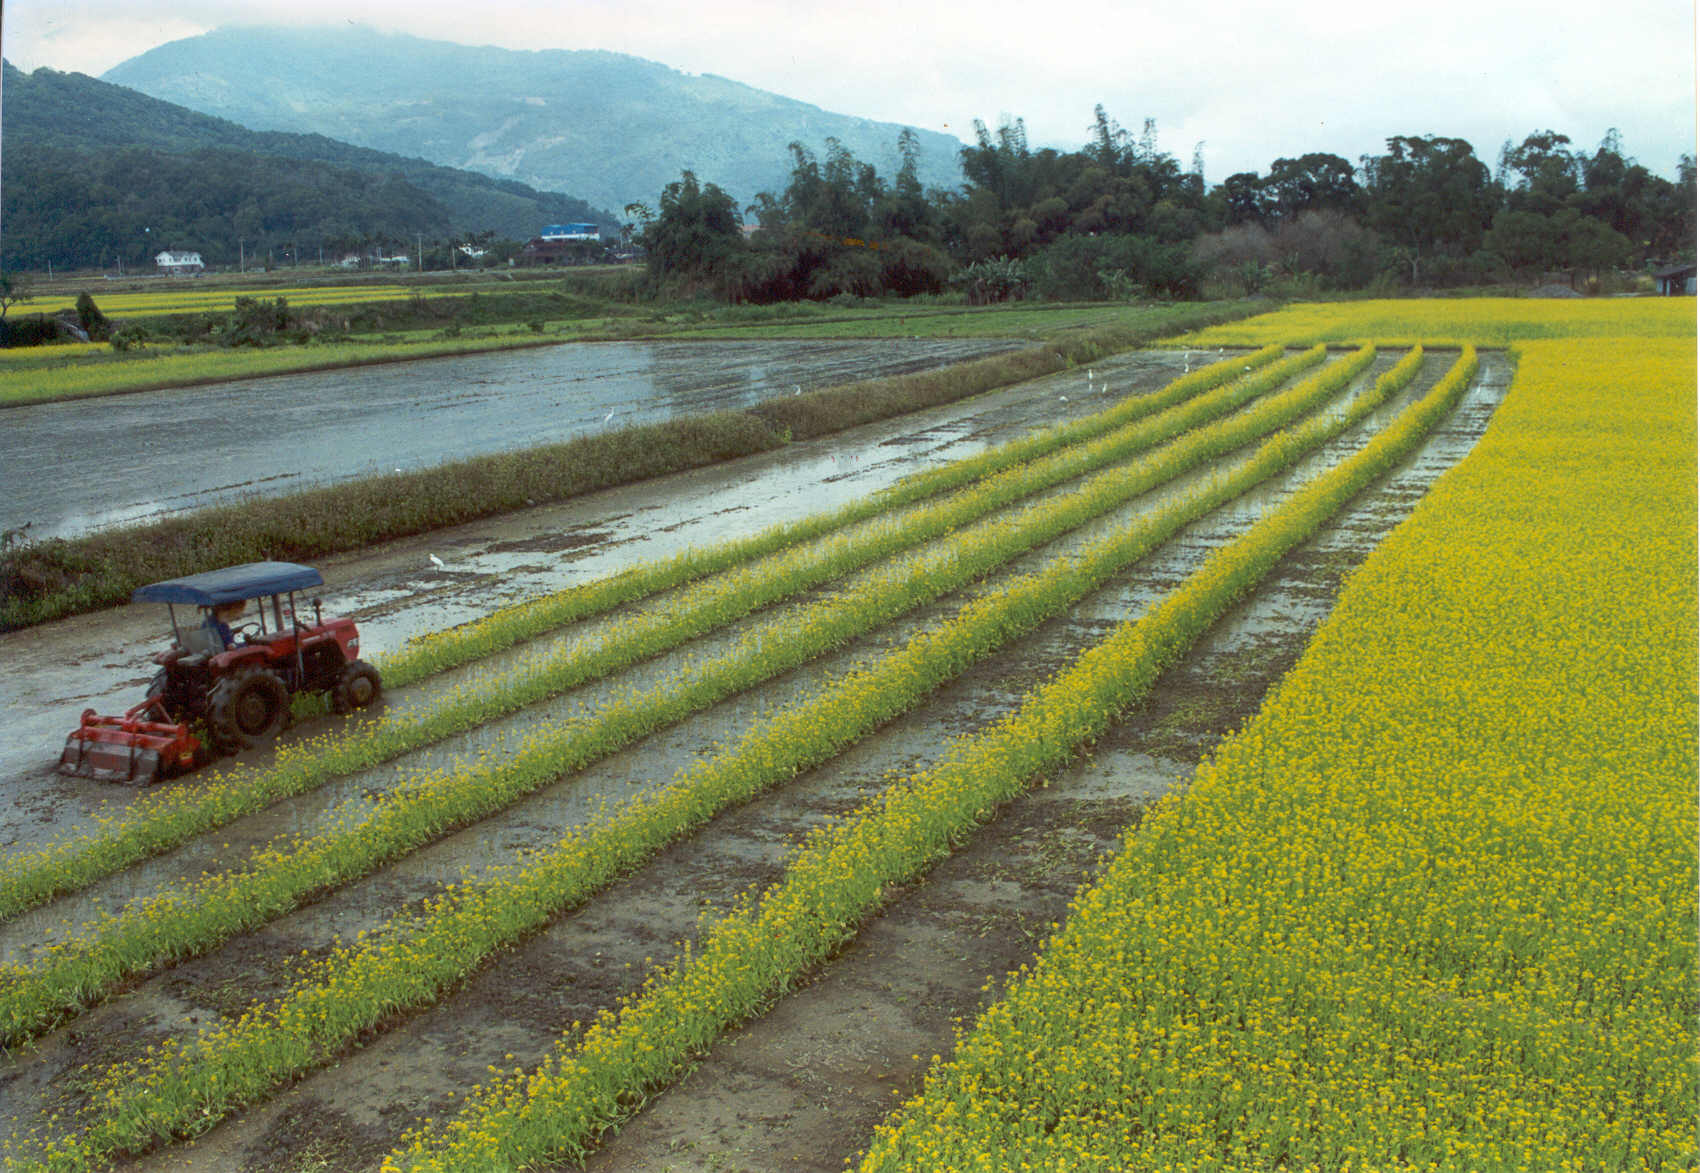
358,687
246,707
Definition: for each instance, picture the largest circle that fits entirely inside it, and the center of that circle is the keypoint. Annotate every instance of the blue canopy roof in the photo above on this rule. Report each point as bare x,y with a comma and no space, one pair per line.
231,584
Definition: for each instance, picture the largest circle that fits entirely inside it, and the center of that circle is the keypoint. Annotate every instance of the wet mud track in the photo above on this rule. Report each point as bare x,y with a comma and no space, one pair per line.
802,1086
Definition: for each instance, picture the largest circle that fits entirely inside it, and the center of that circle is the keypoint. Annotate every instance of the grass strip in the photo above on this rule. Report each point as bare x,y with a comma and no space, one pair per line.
58,577
1463,938
411,962
185,922
843,871
156,372
170,817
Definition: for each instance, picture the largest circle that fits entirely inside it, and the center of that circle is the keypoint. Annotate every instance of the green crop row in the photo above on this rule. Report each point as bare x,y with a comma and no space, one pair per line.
442,650
45,580
414,960
845,869
171,817
18,388
186,921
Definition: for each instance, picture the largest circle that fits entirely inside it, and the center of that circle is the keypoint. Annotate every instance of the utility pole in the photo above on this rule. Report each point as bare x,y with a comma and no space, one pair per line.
241,255
421,239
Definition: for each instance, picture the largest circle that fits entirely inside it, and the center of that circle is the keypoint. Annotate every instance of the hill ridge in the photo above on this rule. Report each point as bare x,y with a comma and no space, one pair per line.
610,127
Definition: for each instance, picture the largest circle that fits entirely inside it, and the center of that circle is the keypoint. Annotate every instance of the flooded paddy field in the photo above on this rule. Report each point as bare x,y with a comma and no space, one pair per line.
801,1086
82,464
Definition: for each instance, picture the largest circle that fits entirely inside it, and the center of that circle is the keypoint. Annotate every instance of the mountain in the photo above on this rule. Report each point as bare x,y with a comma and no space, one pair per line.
92,168
610,128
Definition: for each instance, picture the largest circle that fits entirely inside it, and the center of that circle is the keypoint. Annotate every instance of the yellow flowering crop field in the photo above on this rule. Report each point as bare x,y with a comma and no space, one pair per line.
1427,903
1480,321
1434,907
186,299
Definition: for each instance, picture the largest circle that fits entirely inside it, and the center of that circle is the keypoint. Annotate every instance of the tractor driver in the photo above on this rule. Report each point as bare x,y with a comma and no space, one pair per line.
219,619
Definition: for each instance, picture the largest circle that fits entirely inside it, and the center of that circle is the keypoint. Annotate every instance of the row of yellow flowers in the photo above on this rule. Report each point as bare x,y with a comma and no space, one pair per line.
192,918
415,959
527,620
798,557
1434,908
180,299
845,868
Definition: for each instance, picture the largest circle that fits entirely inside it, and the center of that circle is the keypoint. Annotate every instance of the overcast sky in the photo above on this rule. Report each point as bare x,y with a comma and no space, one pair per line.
1251,81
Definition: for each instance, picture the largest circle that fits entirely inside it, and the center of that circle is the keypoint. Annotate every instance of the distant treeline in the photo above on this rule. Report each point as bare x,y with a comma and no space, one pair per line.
1121,217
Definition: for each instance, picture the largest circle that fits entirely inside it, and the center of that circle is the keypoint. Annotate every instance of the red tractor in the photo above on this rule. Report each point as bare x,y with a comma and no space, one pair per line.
236,682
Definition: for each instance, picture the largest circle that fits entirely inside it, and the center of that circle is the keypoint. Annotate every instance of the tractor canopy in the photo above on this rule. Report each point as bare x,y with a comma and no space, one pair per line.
232,584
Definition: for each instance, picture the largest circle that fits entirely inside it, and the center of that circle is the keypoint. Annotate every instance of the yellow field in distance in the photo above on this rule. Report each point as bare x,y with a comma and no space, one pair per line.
1479,321
183,300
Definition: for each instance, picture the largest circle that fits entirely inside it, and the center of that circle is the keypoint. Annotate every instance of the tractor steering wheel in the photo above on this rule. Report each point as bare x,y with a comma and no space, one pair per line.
246,630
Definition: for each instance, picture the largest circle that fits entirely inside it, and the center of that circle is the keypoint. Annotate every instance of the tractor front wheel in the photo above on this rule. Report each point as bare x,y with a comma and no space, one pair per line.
246,708
160,687
358,687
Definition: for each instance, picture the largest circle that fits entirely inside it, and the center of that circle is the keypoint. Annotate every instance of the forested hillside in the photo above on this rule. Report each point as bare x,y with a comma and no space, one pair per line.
608,127
96,173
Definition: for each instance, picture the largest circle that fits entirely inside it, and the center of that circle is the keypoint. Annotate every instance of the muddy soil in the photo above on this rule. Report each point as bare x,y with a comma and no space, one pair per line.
395,591
802,1086
537,821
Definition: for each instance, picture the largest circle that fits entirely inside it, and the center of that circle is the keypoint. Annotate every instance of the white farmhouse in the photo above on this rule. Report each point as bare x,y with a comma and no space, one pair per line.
177,264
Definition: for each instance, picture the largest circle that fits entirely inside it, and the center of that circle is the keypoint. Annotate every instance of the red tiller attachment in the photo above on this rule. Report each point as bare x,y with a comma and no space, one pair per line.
129,749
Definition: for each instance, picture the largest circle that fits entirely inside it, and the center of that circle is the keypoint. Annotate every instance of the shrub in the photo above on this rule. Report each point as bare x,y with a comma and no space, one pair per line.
94,323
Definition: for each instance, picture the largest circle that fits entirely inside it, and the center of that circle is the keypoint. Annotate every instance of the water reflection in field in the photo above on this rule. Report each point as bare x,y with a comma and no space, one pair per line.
69,467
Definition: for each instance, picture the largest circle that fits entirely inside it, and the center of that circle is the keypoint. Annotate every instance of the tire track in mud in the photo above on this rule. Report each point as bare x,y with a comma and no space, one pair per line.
580,964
